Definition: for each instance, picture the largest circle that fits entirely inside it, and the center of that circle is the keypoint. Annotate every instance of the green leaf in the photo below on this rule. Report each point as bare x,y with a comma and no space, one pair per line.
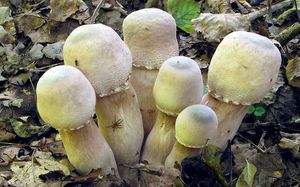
184,12
251,109
259,111
246,179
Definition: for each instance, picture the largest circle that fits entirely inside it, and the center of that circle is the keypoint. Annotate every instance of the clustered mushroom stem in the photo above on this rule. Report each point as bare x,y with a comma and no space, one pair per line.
120,122
82,147
160,140
179,152
230,117
143,80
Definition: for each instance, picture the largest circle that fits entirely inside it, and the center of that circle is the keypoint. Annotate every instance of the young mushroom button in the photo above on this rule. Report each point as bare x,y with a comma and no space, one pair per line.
243,69
66,100
195,126
178,85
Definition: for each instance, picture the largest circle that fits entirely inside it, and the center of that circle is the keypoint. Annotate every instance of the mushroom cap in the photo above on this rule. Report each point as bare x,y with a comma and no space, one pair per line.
195,125
178,85
65,98
150,34
98,51
243,68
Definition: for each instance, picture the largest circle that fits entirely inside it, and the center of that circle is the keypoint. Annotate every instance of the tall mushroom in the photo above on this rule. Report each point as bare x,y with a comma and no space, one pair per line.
178,85
66,100
104,58
195,126
243,69
151,37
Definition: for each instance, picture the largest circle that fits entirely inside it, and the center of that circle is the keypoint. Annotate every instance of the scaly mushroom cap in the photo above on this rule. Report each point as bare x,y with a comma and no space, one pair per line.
195,125
65,98
98,51
154,31
244,68
178,85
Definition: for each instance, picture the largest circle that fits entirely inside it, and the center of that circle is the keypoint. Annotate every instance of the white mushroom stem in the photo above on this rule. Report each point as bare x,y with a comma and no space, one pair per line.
120,121
160,140
229,116
143,80
87,149
179,152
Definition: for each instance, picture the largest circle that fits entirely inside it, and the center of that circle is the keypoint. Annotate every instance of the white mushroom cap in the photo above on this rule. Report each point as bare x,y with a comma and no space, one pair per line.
98,51
195,125
243,68
154,31
178,85
65,98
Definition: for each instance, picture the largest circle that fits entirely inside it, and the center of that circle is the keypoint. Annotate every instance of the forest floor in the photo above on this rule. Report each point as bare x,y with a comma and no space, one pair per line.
32,35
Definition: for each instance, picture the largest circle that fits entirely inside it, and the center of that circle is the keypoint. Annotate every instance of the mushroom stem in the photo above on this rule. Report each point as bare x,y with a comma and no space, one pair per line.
179,152
160,140
82,147
229,116
119,119
143,79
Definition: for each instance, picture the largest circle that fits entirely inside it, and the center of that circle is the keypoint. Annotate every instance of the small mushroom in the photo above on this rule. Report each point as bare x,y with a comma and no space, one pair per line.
243,69
178,85
194,127
98,51
66,100
150,34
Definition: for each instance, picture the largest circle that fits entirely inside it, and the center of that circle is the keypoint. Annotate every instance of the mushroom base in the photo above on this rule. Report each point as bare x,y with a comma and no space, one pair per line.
87,149
143,80
161,139
229,116
179,152
120,122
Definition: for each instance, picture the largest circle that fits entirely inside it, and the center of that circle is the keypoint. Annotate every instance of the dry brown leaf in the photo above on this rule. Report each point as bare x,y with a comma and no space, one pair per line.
214,27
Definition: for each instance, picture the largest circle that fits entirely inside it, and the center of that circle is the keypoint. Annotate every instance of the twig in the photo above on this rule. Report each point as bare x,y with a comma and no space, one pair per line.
254,15
144,168
249,141
288,34
96,12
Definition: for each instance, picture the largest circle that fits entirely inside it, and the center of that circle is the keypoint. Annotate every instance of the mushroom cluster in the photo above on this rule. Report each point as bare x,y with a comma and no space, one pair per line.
166,93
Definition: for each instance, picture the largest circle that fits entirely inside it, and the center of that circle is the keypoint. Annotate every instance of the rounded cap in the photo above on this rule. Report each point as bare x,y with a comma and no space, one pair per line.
195,125
98,51
178,85
150,34
243,68
65,98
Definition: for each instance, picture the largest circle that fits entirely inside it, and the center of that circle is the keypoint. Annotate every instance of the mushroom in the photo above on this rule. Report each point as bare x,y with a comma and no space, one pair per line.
106,61
243,69
66,100
151,37
194,127
178,85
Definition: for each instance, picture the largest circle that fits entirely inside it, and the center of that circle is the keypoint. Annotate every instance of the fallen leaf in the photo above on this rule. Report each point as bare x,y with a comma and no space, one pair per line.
29,173
25,130
246,179
290,142
215,27
54,51
184,12
293,71
36,52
